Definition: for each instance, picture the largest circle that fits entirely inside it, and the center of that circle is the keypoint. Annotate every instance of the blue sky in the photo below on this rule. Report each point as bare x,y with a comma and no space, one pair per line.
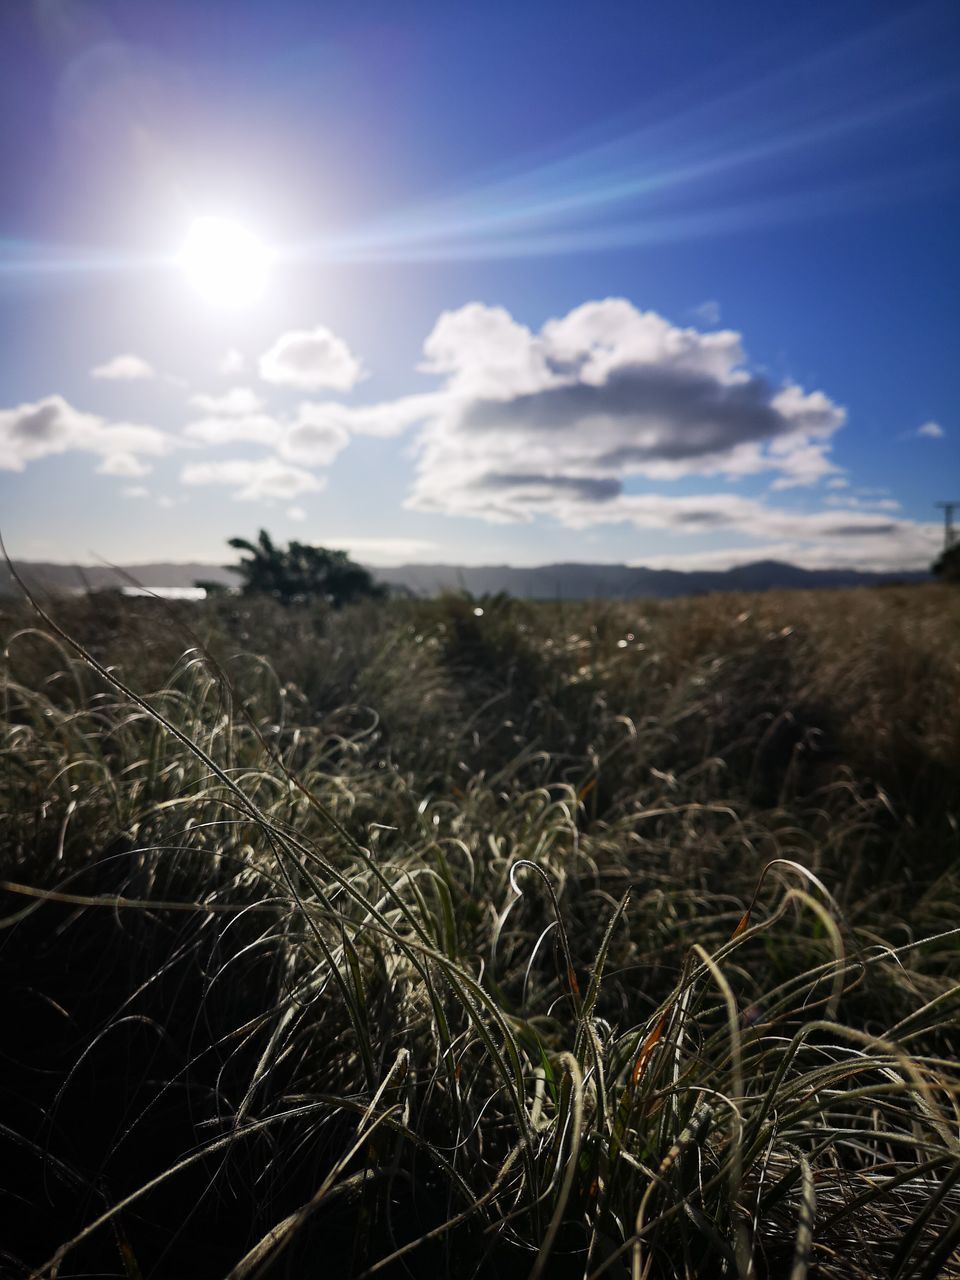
665,284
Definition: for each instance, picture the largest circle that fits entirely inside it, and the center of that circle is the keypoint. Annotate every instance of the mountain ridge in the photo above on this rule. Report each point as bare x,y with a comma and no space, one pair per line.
564,580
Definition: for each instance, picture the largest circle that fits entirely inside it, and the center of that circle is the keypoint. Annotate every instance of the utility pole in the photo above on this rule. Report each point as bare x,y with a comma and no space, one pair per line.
949,533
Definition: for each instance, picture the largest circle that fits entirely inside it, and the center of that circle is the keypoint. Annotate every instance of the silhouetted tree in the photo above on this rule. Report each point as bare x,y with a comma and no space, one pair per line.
946,567
302,572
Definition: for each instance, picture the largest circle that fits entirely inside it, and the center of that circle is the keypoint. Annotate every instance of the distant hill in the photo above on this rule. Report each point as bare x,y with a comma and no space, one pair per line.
620,581
95,577
545,582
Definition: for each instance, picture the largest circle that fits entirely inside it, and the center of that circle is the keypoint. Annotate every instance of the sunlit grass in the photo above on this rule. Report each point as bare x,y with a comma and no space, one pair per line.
563,940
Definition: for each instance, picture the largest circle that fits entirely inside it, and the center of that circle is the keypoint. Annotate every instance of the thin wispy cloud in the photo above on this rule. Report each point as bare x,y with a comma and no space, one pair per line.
123,464
253,480
124,368
251,428
708,313
851,502
238,400
382,551
908,549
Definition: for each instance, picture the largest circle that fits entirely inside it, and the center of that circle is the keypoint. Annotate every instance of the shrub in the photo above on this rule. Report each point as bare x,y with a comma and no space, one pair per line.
302,572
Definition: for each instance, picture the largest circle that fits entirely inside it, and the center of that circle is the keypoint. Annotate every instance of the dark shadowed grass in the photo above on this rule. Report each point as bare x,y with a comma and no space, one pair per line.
566,940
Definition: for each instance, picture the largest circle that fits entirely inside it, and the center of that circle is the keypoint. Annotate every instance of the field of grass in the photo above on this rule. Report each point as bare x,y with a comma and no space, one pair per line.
549,941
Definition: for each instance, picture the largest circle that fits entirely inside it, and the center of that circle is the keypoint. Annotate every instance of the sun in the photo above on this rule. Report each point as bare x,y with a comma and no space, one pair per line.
225,262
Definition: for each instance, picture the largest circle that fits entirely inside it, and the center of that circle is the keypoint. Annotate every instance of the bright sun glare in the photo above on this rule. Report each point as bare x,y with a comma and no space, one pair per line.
226,264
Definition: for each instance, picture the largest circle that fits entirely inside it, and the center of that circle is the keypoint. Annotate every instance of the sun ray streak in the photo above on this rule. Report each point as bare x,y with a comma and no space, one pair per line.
845,127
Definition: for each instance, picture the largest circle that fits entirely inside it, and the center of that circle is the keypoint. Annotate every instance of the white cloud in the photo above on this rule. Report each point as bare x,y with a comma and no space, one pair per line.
231,362
254,428
125,368
52,426
254,480
710,512
932,431
838,482
238,400
311,359
313,437
483,352
123,464
912,553
135,491
708,313
388,418
296,513
805,465
862,504
382,550
838,538
597,396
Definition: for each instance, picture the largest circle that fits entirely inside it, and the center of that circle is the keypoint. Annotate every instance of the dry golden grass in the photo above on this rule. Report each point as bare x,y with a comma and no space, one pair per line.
566,940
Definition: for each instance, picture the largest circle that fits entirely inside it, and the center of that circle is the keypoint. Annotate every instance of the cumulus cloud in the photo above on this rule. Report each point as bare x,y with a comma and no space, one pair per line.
529,422
311,359
125,368
238,400
52,426
931,430
314,438
602,394
254,479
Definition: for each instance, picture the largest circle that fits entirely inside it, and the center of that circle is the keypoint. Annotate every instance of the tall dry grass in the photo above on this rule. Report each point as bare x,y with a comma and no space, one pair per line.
561,940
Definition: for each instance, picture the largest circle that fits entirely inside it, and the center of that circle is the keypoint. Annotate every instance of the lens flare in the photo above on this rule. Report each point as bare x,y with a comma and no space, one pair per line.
224,262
